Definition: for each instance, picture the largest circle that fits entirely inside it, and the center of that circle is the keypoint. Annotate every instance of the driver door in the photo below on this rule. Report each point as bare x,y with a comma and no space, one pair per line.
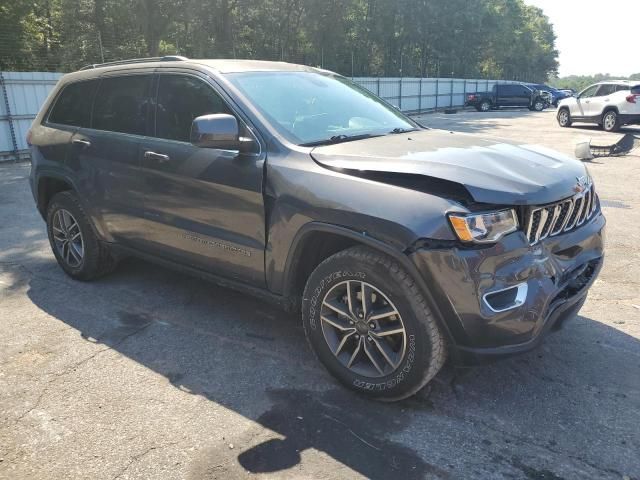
583,102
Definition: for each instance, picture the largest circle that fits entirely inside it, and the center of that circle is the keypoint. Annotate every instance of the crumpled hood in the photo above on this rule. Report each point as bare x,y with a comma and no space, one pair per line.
493,171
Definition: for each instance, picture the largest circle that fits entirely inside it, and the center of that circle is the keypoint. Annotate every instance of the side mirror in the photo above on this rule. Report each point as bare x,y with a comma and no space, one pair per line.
218,130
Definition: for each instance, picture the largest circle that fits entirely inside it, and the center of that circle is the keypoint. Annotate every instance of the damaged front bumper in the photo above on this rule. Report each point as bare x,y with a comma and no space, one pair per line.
502,299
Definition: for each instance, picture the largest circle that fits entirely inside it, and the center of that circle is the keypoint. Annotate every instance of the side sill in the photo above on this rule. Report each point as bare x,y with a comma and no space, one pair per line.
278,300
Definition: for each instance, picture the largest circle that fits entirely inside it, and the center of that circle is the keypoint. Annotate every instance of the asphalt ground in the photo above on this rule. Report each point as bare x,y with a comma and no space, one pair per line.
151,374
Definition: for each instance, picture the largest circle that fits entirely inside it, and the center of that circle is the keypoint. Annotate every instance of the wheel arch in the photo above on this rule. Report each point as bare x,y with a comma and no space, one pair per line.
48,185
609,108
298,267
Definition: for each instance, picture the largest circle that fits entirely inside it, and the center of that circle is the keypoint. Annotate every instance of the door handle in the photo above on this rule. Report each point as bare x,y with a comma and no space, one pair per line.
82,143
160,157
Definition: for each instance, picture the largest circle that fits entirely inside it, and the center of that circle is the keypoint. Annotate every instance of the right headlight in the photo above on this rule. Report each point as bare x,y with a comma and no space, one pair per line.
484,227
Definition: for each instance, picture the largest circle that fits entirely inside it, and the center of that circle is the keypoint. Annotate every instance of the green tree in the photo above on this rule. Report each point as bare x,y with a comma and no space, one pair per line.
490,38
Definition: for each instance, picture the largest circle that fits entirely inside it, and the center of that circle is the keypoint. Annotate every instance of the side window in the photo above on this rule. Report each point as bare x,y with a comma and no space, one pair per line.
122,104
605,89
589,92
624,88
73,106
181,99
635,90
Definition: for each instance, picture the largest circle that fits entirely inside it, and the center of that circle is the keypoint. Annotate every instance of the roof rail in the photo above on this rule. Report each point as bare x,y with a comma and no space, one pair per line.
166,58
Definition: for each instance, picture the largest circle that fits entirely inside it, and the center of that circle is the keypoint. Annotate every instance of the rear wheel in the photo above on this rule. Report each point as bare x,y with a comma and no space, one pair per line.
485,106
73,241
610,121
369,324
564,117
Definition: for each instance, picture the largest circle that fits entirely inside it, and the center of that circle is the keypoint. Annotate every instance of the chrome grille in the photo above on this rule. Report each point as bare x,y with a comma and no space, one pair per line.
551,220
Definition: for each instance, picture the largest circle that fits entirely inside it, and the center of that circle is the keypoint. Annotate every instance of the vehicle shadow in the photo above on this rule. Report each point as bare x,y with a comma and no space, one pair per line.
249,357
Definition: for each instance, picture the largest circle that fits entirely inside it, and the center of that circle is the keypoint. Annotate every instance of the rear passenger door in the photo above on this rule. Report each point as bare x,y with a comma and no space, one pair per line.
594,106
204,206
106,156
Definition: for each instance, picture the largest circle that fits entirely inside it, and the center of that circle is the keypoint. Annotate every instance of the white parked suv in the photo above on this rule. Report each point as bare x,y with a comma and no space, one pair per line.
610,104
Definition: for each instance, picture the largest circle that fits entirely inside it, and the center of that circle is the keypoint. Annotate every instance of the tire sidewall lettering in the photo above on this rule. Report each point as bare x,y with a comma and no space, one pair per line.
398,377
323,286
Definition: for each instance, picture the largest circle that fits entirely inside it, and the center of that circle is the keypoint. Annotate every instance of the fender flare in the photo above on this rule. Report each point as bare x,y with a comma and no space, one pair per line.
372,242
46,173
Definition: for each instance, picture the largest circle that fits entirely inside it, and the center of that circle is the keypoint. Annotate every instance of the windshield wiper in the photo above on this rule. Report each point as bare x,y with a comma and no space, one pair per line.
402,130
339,139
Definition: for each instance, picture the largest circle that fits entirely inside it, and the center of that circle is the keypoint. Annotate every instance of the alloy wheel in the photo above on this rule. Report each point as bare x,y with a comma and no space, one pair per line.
609,121
68,238
363,329
563,117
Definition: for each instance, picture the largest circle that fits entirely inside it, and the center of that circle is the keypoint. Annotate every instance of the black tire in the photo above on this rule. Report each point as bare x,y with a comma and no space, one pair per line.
484,106
538,105
95,257
610,121
564,117
424,351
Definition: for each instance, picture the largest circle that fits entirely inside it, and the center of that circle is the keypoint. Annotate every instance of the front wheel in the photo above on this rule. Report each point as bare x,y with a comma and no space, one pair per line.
485,106
610,121
369,324
539,105
564,118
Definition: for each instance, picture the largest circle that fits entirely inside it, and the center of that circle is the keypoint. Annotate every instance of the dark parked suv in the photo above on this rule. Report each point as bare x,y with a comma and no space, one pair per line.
402,246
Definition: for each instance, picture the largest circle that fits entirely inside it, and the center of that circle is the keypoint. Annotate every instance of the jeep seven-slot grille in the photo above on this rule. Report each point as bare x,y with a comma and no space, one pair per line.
551,220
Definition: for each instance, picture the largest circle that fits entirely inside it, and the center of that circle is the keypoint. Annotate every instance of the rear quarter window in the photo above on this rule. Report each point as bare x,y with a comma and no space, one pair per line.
635,89
73,105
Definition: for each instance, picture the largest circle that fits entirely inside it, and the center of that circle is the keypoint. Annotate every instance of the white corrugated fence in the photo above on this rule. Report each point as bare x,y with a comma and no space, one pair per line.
21,95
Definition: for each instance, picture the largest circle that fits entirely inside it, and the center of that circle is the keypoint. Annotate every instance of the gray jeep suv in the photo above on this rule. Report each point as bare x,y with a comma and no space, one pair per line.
400,245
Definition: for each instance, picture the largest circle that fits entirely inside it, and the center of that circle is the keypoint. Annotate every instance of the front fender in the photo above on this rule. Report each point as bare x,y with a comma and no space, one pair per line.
297,195
362,238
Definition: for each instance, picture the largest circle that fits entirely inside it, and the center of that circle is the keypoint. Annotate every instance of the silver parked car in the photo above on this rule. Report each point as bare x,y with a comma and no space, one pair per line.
610,104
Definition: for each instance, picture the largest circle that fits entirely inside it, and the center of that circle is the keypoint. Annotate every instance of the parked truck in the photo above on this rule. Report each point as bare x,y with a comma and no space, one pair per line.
508,95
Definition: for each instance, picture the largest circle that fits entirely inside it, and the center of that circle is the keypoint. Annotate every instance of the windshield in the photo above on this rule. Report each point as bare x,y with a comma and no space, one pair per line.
313,108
